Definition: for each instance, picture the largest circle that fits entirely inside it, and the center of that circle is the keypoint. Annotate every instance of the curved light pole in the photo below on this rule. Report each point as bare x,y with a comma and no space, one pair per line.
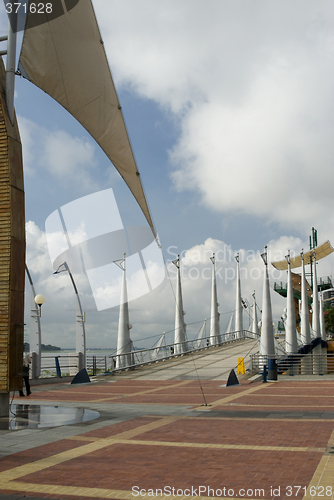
80,340
35,331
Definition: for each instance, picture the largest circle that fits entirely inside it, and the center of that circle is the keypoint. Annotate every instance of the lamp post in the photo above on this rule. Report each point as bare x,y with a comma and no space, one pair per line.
35,332
80,341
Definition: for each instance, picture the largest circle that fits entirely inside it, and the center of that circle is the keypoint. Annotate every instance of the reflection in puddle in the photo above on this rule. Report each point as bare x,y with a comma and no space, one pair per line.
23,416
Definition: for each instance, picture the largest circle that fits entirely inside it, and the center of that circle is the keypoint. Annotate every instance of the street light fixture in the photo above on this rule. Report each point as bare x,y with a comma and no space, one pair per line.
40,299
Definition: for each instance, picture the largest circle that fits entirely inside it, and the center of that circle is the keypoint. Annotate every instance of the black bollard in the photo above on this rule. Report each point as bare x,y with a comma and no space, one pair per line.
264,373
272,369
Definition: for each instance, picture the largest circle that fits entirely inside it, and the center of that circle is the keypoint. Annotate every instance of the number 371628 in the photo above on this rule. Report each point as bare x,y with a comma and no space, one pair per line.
32,8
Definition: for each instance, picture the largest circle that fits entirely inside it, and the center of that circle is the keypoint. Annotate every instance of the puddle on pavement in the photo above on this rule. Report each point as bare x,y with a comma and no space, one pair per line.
24,416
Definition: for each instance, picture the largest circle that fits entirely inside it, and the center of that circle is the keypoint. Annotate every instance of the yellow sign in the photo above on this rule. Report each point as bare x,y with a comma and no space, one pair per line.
241,366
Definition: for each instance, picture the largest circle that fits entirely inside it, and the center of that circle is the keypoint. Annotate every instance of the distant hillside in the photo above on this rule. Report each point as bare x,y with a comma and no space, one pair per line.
44,348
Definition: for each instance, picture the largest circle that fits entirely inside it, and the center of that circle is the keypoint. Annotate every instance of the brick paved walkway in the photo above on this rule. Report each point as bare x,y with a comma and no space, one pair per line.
270,441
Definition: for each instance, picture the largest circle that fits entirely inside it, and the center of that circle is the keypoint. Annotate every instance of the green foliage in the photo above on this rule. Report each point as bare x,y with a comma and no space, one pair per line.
44,348
329,319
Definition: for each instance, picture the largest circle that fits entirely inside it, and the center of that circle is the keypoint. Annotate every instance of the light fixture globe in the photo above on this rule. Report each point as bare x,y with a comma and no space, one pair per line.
39,300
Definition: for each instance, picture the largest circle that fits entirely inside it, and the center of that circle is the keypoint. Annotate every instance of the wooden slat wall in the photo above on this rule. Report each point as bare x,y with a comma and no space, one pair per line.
12,250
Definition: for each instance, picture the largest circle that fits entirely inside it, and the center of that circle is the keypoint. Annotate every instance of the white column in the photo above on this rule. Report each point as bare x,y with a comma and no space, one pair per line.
305,332
228,336
214,323
315,303
305,319
155,353
180,327
199,341
317,351
323,337
255,323
124,343
239,328
291,346
267,343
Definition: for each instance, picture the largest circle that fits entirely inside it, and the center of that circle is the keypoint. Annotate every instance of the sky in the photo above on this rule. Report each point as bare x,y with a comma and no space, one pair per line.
229,110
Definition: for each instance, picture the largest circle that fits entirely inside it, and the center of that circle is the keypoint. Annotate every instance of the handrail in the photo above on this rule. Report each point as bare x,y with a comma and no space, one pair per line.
142,357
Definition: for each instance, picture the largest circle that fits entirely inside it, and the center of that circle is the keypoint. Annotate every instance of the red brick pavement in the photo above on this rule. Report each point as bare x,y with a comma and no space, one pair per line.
234,431
180,462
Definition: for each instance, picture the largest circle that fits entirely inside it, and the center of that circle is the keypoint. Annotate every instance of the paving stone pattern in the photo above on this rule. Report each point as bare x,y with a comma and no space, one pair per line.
254,440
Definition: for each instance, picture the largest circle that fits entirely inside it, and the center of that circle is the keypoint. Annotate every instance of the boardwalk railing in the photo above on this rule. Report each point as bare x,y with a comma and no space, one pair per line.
143,357
59,365
296,364
68,364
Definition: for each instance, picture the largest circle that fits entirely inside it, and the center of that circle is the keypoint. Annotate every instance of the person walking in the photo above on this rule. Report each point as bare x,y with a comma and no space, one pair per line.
26,362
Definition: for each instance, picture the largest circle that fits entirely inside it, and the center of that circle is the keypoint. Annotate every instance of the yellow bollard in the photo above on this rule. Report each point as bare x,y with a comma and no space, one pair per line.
241,366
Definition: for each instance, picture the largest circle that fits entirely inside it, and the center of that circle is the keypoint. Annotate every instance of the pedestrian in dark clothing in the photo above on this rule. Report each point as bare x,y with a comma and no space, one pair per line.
26,361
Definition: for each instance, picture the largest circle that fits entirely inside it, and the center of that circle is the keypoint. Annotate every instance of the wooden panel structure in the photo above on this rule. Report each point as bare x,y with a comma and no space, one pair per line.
12,249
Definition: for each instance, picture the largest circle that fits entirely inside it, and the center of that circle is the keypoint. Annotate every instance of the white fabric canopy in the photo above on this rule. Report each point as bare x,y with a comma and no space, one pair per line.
65,57
320,252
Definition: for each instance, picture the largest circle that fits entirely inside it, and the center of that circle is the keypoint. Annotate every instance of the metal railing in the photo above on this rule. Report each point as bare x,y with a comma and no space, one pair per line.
68,364
59,365
97,363
135,358
296,364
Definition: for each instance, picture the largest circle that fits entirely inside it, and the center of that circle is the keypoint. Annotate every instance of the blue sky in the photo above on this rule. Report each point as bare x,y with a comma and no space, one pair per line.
229,110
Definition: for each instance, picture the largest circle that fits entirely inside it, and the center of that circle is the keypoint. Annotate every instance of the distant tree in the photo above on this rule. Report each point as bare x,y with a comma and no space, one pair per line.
329,319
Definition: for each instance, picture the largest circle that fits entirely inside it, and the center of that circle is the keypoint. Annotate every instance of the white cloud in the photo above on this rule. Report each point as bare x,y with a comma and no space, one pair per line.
69,160
154,312
251,86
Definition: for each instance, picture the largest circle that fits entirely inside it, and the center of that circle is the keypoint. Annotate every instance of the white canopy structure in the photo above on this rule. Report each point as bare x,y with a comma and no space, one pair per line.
318,253
65,57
